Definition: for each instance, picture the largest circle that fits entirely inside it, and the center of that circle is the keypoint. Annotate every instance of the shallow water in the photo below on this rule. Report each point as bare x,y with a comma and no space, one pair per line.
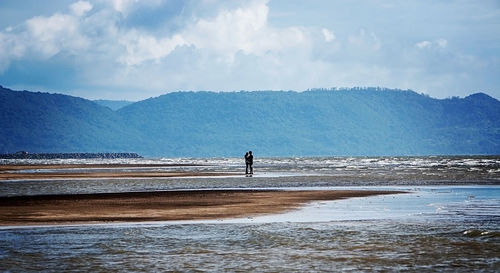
283,247
450,228
430,229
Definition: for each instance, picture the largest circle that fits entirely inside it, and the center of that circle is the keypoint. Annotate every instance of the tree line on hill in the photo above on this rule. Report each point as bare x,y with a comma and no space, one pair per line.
346,122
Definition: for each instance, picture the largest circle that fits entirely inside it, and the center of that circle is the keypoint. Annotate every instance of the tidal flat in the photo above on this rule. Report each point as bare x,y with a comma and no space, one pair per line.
447,219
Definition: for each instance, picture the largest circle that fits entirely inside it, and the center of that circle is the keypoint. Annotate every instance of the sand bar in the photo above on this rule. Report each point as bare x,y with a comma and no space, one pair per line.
11,167
62,175
159,206
15,172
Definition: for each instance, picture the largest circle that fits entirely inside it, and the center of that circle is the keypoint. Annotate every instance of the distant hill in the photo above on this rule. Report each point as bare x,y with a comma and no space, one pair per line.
369,121
113,104
42,122
349,122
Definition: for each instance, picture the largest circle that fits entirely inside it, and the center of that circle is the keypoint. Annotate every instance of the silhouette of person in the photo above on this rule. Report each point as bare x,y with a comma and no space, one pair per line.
247,163
250,161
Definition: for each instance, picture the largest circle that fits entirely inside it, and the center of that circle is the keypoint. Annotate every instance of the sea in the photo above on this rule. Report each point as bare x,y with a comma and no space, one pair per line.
448,221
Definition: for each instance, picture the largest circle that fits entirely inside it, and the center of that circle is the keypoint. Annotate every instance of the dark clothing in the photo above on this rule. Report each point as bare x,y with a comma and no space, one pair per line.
249,163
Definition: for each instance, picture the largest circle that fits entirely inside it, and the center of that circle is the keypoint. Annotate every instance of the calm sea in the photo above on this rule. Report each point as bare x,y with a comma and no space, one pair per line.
449,221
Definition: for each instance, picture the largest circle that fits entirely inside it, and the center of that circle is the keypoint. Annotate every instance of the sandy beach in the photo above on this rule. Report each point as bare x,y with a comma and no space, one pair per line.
165,205
14,167
159,206
16,172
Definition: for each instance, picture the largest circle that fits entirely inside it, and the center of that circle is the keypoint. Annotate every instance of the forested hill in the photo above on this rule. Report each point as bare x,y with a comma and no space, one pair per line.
350,122
54,123
113,104
368,121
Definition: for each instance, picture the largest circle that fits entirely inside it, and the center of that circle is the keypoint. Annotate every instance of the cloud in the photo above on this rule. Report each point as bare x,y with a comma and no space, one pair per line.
244,29
439,43
442,43
123,6
329,36
126,7
51,35
158,46
42,37
10,48
423,44
80,8
142,47
233,30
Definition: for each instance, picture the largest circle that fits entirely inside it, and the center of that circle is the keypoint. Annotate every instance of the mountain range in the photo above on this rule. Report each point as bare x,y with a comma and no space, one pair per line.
347,122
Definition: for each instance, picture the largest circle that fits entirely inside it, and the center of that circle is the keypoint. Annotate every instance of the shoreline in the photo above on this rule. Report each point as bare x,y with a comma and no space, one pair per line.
96,175
16,167
48,210
16,172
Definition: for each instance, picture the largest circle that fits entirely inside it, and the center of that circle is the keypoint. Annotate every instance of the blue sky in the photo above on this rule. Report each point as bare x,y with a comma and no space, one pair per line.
129,49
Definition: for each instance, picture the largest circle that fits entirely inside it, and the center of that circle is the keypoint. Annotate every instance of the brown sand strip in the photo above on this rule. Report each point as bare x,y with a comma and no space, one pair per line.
11,172
87,166
62,175
158,206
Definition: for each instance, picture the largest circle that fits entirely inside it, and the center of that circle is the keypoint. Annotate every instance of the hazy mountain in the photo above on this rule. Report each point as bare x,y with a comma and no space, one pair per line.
113,104
42,122
347,122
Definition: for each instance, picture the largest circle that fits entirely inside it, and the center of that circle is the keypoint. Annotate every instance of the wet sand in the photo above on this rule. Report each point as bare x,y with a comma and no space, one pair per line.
159,206
144,206
14,172
86,166
56,175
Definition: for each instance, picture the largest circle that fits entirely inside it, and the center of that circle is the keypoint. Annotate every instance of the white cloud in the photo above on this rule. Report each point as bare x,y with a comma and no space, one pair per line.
439,43
50,35
142,47
80,8
232,30
244,29
42,37
442,43
423,44
11,47
232,45
123,6
329,36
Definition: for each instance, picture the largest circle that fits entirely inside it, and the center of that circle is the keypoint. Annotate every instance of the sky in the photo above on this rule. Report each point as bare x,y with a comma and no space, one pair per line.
133,50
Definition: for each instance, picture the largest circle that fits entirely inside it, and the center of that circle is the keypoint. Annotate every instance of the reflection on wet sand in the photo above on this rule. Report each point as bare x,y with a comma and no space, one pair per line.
159,206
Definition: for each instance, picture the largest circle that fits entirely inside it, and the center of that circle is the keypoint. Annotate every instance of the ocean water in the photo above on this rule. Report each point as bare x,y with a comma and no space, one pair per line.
448,221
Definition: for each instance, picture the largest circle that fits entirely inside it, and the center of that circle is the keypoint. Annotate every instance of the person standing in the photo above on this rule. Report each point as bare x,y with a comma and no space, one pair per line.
247,163
250,161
